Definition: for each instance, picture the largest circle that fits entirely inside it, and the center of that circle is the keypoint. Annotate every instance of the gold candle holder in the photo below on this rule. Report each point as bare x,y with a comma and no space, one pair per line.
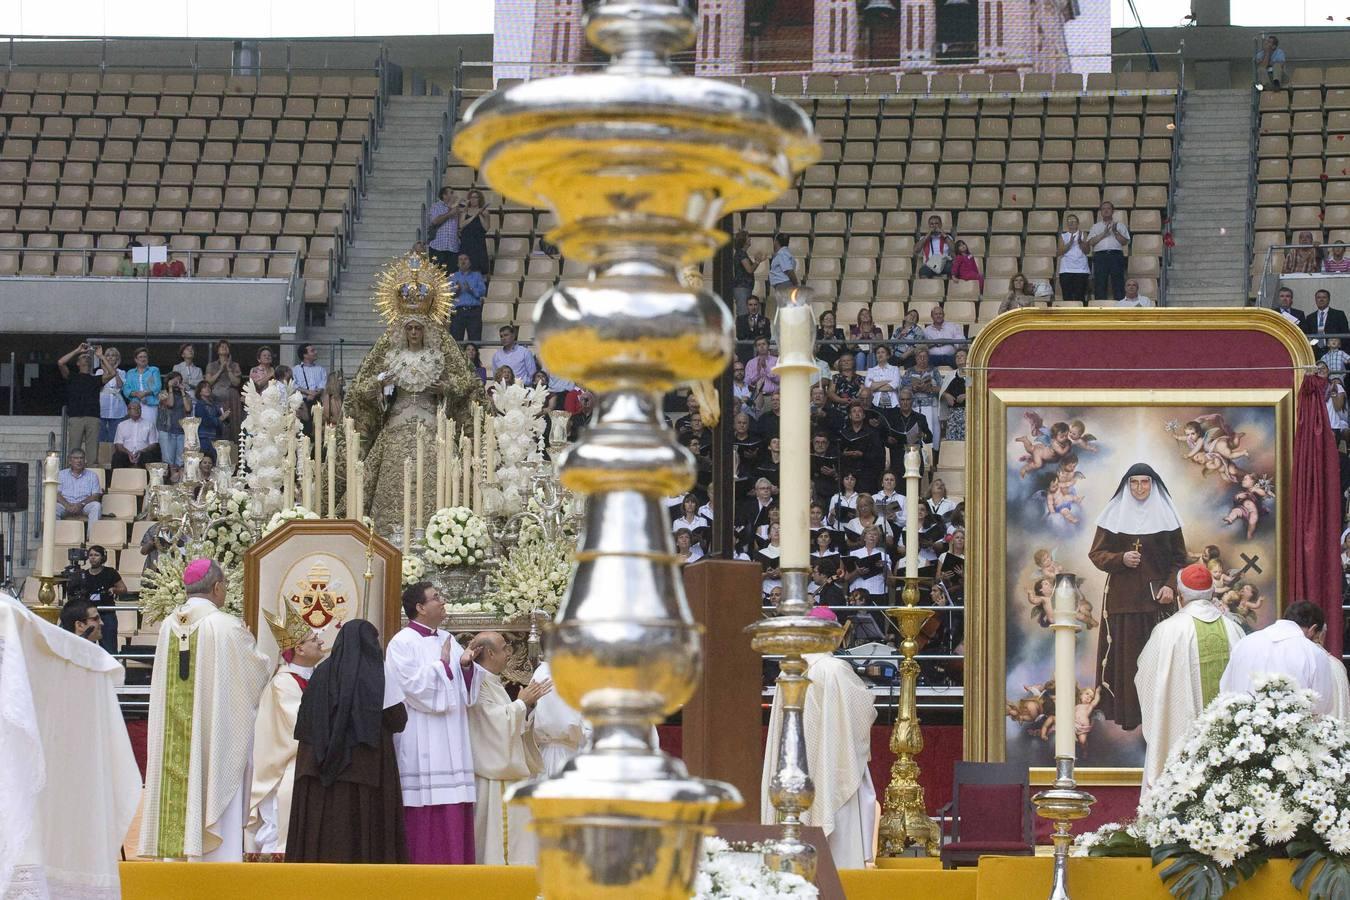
1063,804
904,819
47,607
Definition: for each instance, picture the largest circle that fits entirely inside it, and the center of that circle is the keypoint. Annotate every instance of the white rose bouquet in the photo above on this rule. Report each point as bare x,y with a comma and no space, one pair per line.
269,422
533,577
288,515
456,537
413,569
1259,775
518,427
730,871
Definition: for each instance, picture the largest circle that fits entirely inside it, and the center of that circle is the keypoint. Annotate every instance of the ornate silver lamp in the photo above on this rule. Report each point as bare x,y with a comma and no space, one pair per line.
639,164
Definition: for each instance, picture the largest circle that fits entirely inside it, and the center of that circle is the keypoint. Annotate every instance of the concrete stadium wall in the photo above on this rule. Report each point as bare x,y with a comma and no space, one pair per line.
1221,56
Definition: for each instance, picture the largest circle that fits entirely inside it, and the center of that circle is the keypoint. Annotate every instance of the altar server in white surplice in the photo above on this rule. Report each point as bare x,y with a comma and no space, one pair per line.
1287,647
68,778
837,719
559,730
1180,667
1340,705
503,753
203,699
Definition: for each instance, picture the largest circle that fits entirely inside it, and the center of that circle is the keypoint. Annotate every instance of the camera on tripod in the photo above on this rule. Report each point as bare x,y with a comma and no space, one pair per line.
74,574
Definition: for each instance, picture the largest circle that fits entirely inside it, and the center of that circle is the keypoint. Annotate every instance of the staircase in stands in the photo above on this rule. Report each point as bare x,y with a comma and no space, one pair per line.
1212,202
390,214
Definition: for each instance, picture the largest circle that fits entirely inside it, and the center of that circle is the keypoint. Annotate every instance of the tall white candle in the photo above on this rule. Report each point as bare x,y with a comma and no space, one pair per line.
407,504
360,489
438,454
1065,601
419,511
332,470
465,470
477,434
349,428
306,480
51,466
288,476
316,415
912,512
453,474
796,363
490,469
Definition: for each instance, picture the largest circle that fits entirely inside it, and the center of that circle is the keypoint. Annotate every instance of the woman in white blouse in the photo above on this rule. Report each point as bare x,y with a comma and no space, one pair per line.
1073,261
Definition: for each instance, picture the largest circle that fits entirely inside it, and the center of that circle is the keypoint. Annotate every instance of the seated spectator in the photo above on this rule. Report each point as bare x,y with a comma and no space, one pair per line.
519,358
1132,296
686,548
940,332
964,266
467,319
185,366
112,406
1021,293
262,374
689,518
143,382
78,492
1270,63
935,249
82,400
474,356
136,443
844,388
1306,258
213,417
751,327
474,221
1074,271
861,335
760,376
1336,262
175,402
783,266
82,618
740,391
829,339
908,336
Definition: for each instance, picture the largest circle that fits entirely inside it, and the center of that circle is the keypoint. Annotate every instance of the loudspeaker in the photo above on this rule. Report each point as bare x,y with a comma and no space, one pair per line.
13,486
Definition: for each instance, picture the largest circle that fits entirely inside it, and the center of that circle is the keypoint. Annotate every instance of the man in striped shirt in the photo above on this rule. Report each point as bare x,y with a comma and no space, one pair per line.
78,492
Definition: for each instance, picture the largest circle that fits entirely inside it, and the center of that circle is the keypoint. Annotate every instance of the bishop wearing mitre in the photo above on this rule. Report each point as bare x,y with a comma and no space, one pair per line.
837,718
1180,667
274,743
503,753
207,679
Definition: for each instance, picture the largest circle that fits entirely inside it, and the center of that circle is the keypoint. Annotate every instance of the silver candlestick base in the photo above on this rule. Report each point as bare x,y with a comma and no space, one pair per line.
1063,804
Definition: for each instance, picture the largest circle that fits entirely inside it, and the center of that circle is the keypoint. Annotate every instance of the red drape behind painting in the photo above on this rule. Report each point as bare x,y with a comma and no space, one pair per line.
1315,511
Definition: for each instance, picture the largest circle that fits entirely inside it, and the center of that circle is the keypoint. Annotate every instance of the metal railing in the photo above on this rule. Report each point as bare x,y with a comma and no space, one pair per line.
1270,277
1179,121
1253,164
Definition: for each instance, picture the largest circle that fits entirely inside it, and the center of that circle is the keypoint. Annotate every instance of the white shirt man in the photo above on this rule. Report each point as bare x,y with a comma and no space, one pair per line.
837,719
78,491
207,678
1108,234
503,753
1180,667
435,761
1285,647
520,359
134,435
942,354
1132,296
310,378
884,380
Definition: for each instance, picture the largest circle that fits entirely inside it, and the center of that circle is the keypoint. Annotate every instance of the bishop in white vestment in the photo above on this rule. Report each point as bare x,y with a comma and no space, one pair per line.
440,681
559,730
1286,647
203,696
1180,667
503,753
837,719
1340,704
274,743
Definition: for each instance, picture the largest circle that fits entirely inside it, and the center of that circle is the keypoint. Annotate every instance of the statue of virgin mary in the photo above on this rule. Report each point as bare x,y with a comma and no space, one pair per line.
414,370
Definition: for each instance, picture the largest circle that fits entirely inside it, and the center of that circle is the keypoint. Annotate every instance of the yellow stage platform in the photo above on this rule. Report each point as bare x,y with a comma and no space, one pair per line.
994,879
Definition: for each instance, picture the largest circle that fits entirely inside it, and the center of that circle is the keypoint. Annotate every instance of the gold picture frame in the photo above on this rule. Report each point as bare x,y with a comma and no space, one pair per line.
986,496
339,546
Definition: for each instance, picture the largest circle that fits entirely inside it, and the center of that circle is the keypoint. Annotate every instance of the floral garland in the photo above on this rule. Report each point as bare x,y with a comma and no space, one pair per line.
456,537
269,422
518,426
725,872
1258,775
416,370
533,577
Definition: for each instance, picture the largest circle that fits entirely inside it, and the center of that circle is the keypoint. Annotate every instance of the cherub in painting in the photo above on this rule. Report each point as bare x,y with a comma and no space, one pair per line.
1043,445
1211,444
1248,504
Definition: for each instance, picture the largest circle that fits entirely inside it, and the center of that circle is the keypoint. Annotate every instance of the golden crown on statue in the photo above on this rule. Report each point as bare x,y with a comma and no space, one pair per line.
410,285
289,629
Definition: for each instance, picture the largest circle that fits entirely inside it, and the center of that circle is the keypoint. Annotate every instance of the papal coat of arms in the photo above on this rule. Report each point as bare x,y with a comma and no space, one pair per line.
319,600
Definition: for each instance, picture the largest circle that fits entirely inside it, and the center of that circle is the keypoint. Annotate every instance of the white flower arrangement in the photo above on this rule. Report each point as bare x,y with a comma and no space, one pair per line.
456,537
533,577
518,427
739,873
280,517
413,569
269,422
1258,775
162,590
416,370
464,609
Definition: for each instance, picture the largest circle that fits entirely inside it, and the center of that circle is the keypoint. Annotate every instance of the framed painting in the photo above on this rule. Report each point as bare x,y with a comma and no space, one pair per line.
317,567
1121,485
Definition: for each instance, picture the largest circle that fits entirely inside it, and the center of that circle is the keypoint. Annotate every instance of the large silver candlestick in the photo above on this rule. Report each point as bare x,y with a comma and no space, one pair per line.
639,164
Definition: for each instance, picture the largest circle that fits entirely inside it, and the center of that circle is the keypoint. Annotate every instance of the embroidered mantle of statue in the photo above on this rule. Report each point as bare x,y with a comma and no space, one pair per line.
413,368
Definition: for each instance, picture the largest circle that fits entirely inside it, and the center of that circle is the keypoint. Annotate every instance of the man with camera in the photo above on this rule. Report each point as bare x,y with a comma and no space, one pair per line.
98,583
935,250
78,491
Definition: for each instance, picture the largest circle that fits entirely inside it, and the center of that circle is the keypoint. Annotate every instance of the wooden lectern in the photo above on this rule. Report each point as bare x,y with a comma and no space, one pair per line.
723,734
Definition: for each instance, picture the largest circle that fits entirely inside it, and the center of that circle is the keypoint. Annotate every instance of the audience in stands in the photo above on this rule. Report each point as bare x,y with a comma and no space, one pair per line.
262,374
862,335
519,359
1336,262
112,407
1324,320
847,382
907,425
82,400
310,380
934,250
829,339
1132,296
1074,270
187,368
214,417
953,400
443,226
939,332
743,266
1270,62
142,383
1337,412
475,360
1284,305
1020,293
136,442
79,493
760,376
1335,358
964,266
175,402
883,379
750,327
1304,259
225,378
473,231
1108,239
908,335
922,381
333,396
783,267
467,320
